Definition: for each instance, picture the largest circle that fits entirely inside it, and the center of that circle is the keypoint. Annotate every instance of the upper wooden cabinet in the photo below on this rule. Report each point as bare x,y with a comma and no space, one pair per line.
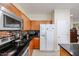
35,25
16,11
26,22
6,5
11,8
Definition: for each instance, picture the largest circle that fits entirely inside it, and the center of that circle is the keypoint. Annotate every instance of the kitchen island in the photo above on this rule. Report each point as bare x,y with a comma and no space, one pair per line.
69,49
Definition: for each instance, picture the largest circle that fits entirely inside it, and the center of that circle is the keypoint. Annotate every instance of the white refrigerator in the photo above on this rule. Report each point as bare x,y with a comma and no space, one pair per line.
47,37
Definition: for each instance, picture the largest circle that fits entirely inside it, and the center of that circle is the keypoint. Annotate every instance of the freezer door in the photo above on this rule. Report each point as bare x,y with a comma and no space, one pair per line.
42,37
42,43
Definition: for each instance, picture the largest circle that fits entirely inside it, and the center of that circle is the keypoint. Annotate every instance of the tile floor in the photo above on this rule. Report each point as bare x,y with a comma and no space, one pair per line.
37,52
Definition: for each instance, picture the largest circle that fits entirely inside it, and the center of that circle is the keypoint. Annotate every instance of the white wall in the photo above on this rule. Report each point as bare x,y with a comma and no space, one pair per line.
71,23
74,21
62,21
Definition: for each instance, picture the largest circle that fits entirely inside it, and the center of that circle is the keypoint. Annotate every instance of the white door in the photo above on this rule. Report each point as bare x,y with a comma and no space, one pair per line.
42,37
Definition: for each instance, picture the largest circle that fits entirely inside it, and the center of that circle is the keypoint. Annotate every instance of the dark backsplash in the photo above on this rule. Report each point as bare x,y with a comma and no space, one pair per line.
34,33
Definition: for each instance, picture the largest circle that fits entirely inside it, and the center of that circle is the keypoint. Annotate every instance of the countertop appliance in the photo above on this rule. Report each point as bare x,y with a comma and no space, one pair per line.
47,37
9,21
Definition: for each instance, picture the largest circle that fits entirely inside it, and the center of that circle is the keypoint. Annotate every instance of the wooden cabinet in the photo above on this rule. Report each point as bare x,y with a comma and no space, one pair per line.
16,11
35,25
73,35
26,22
7,6
36,43
31,47
11,8
63,52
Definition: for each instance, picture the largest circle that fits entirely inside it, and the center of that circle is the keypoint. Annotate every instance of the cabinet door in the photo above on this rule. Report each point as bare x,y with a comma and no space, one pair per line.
26,22
16,11
35,25
11,8
63,52
36,43
31,48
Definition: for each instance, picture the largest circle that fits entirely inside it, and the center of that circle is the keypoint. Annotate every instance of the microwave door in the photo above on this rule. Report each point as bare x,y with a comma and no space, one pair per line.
11,22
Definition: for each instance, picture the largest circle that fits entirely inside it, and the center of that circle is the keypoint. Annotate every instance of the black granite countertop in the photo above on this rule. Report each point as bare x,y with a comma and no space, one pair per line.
22,49
72,49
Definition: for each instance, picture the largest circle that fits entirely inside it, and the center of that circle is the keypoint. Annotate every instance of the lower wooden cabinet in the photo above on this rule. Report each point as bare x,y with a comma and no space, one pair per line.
36,43
31,48
63,52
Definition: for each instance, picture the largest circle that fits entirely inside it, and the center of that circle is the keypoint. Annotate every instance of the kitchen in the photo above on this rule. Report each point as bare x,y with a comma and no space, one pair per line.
36,32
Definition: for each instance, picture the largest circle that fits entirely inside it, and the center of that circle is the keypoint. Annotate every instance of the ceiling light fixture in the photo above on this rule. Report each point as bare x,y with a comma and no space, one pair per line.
71,15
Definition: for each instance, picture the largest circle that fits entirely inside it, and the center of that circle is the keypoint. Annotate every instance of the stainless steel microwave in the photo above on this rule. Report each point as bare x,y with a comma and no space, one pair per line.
9,21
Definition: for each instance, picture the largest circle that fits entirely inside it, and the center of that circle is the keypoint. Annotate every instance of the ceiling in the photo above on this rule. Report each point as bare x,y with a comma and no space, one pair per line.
31,8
